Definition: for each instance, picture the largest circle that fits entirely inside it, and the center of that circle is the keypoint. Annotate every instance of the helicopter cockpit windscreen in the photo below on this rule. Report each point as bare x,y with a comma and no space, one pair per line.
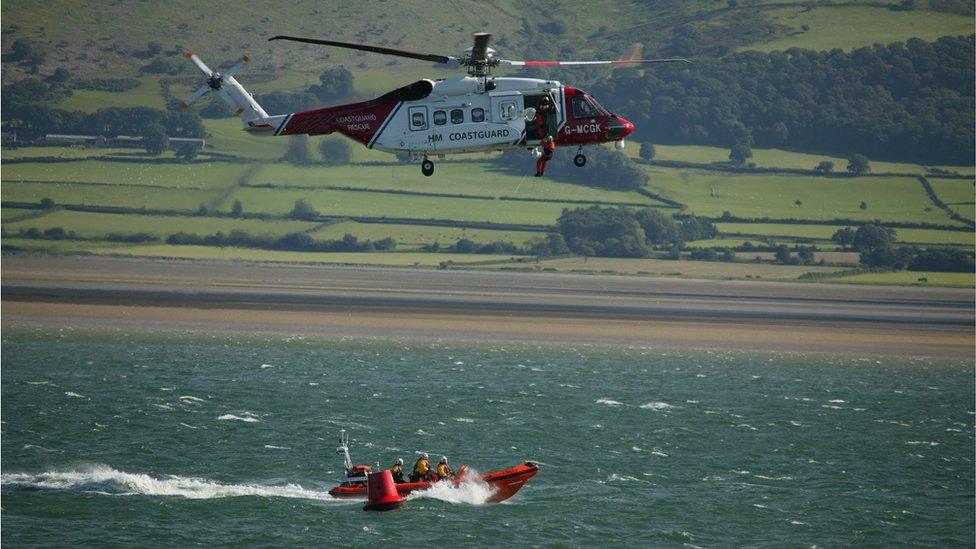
585,106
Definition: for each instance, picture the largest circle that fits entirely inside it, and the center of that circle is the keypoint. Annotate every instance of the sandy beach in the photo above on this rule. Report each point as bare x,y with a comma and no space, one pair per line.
331,301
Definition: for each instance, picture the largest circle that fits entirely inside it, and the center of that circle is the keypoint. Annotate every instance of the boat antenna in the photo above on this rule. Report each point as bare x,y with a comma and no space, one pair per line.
343,449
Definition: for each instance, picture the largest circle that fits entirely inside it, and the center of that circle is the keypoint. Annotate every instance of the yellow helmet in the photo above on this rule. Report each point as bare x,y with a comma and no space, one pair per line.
549,138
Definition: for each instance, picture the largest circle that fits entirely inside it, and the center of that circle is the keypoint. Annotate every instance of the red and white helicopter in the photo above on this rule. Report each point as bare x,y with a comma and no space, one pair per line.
429,118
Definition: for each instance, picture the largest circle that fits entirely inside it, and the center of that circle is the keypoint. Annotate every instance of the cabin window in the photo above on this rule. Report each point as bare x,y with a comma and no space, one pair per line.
583,107
457,116
508,110
440,118
418,118
477,115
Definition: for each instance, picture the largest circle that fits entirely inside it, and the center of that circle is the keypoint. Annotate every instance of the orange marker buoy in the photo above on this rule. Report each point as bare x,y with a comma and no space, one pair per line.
381,492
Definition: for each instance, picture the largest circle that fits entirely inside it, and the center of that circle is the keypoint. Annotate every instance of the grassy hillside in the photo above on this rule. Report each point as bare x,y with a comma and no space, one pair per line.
105,38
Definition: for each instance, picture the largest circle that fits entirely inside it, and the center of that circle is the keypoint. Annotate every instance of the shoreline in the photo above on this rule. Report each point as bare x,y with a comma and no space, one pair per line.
459,328
331,302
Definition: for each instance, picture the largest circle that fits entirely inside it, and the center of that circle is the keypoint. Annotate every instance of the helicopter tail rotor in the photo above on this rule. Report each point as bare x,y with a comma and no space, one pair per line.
228,88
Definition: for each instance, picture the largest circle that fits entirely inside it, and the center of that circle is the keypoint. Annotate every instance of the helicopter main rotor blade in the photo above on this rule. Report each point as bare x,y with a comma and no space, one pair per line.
566,63
374,49
479,52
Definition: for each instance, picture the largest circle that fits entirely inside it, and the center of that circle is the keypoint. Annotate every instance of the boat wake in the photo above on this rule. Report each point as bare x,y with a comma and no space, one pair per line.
472,491
102,479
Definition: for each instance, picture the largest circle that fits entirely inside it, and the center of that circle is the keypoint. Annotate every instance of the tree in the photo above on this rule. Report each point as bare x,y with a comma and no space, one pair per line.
21,50
869,237
806,254
237,210
335,84
739,153
548,246
335,151
782,253
59,76
858,164
297,152
825,167
843,237
154,139
303,210
187,151
465,246
647,151
863,205
47,203
659,229
697,228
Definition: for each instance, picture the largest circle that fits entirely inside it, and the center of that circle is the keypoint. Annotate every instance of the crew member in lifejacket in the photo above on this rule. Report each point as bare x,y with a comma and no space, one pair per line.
397,471
420,469
542,117
443,471
548,148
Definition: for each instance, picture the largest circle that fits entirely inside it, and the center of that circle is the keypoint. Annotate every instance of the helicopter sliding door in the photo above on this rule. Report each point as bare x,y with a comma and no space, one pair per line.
508,108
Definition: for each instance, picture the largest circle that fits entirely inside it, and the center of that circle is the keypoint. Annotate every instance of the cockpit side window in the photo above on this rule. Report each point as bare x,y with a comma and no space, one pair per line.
583,107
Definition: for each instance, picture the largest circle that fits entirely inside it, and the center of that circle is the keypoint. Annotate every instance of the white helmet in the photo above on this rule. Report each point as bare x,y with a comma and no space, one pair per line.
444,459
423,455
399,461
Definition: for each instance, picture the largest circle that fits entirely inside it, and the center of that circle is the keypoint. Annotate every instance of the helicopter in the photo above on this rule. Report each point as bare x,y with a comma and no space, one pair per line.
434,118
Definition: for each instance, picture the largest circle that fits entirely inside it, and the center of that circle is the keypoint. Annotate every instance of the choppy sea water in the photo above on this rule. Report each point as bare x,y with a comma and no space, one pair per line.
177,439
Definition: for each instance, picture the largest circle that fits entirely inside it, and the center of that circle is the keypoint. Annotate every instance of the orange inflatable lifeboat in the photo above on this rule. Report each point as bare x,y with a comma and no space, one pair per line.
503,483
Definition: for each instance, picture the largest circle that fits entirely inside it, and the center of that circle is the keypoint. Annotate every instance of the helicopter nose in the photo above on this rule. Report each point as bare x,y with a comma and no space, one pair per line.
619,128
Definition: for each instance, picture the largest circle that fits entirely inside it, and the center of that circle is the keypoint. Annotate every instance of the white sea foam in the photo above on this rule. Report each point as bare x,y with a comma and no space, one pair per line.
106,480
623,478
188,426
75,395
463,420
247,418
656,406
837,401
189,398
265,366
273,447
764,477
922,442
471,491
609,402
658,453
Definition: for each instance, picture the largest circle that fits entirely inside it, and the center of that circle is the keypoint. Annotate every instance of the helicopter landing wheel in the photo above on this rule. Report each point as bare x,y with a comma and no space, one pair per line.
579,160
427,168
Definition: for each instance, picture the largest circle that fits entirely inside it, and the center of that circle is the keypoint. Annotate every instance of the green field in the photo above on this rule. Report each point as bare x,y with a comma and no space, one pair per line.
775,158
958,194
774,196
355,203
110,195
95,225
848,27
414,236
203,175
902,278
148,94
691,269
457,177
8,215
824,232
248,254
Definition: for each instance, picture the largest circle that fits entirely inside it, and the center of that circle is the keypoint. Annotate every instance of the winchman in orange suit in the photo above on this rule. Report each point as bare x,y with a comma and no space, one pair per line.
548,148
